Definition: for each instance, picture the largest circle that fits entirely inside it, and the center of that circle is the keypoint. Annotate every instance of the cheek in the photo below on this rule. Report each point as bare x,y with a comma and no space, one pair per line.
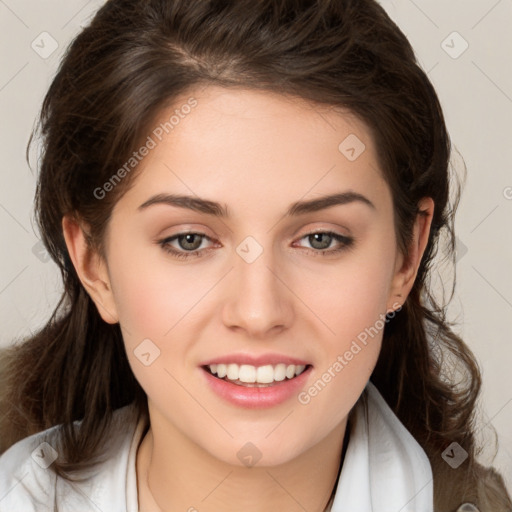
354,295
151,294
145,308
154,305
354,308
352,303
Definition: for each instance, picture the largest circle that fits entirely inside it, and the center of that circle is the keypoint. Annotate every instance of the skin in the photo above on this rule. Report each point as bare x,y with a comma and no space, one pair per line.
256,153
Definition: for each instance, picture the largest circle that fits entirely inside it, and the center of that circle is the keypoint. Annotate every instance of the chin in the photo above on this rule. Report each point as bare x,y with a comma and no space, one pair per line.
258,452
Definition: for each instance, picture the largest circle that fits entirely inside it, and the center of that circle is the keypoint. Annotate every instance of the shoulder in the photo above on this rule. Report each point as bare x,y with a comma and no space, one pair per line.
25,481
28,483
482,487
469,487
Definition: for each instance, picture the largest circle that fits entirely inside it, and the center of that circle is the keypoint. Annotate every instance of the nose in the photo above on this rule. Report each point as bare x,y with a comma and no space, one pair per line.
258,300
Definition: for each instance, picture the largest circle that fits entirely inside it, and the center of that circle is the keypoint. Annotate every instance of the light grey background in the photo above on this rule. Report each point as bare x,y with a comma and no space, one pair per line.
475,88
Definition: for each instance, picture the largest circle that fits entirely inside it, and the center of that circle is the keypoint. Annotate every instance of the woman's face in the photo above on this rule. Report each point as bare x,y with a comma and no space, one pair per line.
257,290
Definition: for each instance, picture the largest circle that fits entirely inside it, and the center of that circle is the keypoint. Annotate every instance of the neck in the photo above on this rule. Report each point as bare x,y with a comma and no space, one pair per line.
176,475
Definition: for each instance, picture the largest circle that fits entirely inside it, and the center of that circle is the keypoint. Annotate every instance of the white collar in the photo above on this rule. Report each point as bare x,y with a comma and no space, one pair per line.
385,469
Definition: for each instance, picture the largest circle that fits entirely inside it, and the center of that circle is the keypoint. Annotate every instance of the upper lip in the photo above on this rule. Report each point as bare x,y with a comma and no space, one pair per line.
254,360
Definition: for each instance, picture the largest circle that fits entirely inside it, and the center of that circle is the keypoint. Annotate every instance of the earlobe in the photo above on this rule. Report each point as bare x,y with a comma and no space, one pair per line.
91,269
407,268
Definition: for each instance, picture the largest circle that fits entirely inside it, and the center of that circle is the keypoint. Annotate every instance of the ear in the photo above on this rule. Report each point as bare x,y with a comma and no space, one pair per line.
91,269
406,270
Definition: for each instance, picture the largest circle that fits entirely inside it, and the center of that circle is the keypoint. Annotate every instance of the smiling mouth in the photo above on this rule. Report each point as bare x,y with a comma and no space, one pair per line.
255,376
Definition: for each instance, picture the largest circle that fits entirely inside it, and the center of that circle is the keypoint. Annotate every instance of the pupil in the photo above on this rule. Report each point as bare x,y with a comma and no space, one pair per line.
317,238
188,240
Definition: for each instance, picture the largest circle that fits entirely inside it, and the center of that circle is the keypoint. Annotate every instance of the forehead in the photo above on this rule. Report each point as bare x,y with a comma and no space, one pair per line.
245,146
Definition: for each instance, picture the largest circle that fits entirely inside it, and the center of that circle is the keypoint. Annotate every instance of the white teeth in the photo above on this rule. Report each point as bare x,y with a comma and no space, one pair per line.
299,369
247,373
261,374
280,372
265,374
221,370
233,371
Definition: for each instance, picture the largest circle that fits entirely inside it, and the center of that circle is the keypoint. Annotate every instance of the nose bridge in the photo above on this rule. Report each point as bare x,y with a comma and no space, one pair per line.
258,300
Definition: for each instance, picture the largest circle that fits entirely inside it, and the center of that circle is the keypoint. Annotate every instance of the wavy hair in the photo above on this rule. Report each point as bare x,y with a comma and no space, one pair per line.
137,57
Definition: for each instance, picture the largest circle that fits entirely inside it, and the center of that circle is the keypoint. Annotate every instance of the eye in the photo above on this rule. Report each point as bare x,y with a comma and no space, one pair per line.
189,244
320,241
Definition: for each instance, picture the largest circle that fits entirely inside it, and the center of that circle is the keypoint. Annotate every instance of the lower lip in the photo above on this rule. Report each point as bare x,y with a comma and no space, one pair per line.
256,397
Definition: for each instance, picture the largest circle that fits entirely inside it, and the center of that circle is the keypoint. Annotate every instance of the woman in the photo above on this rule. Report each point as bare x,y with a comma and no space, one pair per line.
211,354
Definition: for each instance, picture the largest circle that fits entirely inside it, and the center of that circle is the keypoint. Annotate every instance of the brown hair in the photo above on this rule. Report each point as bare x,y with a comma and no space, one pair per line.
137,57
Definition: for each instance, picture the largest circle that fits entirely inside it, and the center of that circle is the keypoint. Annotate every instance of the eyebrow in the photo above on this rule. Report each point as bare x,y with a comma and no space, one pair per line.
221,211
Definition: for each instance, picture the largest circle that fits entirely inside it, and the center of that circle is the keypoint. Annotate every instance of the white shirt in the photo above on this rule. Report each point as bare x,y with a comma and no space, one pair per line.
385,469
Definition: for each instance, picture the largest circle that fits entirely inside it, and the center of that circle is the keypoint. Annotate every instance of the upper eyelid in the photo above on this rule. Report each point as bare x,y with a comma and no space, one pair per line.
187,229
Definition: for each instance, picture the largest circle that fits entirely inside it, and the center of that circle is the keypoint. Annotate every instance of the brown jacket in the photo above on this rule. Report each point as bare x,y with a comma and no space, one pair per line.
468,488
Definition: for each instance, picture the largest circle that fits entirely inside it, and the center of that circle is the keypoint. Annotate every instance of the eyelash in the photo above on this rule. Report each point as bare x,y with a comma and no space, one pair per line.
345,241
